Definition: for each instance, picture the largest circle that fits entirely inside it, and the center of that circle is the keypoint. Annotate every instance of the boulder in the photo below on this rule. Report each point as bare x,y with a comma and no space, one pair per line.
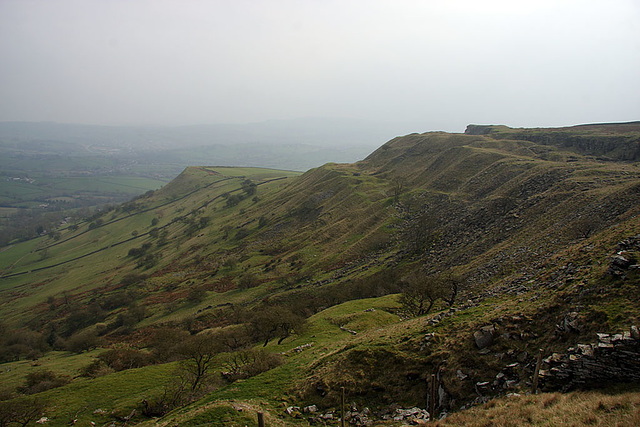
484,336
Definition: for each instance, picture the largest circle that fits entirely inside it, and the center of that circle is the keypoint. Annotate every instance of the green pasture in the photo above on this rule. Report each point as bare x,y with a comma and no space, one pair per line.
98,186
121,392
83,270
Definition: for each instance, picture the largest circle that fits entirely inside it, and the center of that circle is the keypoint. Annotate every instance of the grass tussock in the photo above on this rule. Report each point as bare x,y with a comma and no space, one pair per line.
593,408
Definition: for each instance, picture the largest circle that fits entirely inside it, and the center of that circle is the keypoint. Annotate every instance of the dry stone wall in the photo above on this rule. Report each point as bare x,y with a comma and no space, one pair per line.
614,358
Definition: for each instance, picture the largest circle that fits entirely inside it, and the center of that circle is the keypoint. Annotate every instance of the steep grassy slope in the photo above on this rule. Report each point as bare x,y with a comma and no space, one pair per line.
529,224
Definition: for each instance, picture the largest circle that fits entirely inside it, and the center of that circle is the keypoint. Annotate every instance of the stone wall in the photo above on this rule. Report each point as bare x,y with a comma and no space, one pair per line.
614,358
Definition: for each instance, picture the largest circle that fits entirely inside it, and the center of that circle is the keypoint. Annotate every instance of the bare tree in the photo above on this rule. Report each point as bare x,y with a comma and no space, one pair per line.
398,188
584,226
422,292
200,351
451,284
21,411
275,322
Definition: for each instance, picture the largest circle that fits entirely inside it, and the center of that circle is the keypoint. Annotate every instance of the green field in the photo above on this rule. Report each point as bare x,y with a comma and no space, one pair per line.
380,273
97,188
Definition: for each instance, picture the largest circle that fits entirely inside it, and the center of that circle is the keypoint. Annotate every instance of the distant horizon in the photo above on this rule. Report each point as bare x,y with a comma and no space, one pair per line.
302,119
429,64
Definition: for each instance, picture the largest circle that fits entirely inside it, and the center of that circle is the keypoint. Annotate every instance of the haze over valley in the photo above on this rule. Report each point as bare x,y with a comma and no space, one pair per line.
328,213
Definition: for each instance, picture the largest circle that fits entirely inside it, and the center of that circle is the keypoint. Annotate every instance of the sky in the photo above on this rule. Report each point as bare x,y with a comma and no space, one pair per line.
436,64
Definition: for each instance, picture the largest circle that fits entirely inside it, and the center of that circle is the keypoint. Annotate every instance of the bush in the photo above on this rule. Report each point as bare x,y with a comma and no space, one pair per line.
80,318
21,411
248,363
165,343
138,252
173,395
149,261
132,279
43,380
196,295
421,292
249,187
83,341
247,281
117,300
233,200
125,358
15,344
269,322
241,234
95,369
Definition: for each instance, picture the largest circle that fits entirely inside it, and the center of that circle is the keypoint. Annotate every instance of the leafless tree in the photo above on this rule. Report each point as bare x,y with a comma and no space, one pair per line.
200,351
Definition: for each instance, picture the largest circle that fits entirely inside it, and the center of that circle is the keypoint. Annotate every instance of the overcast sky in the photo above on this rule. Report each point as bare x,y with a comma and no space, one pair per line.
436,64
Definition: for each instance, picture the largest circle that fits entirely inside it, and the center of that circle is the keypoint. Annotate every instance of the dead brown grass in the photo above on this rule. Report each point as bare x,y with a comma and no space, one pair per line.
553,409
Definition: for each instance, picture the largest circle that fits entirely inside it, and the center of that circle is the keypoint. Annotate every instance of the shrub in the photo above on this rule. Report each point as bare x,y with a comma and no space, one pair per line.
172,396
43,380
116,300
83,341
132,279
269,322
249,187
125,358
247,281
82,317
165,343
21,411
138,252
248,363
95,369
421,292
15,344
148,261
233,200
196,295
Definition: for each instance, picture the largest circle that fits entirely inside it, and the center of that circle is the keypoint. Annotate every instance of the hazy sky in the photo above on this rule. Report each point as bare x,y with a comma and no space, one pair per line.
438,64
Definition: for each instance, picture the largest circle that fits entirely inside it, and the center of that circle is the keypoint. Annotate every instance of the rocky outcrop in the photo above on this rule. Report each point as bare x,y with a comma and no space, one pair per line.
614,358
607,141
484,336
478,129
361,417
624,259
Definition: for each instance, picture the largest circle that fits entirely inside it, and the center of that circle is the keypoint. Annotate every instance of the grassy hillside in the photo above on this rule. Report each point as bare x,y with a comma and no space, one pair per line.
529,228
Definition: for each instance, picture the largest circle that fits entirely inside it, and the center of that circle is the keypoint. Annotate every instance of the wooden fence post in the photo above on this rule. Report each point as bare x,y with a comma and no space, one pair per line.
433,389
536,373
260,419
342,408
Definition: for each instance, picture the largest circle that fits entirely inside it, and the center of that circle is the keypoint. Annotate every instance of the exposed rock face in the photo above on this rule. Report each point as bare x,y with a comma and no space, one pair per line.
618,143
484,336
415,416
478,129
618,265
570,323
624,259
615,357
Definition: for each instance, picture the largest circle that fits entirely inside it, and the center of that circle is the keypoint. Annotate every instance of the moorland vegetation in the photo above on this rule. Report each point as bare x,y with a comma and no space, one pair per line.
444,260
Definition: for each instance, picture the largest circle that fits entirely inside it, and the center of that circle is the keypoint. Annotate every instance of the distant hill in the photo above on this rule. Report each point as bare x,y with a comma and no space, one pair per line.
317,141
527,238
52,171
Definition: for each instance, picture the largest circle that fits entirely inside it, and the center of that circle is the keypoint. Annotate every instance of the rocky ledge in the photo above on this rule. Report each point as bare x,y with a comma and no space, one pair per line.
614,358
